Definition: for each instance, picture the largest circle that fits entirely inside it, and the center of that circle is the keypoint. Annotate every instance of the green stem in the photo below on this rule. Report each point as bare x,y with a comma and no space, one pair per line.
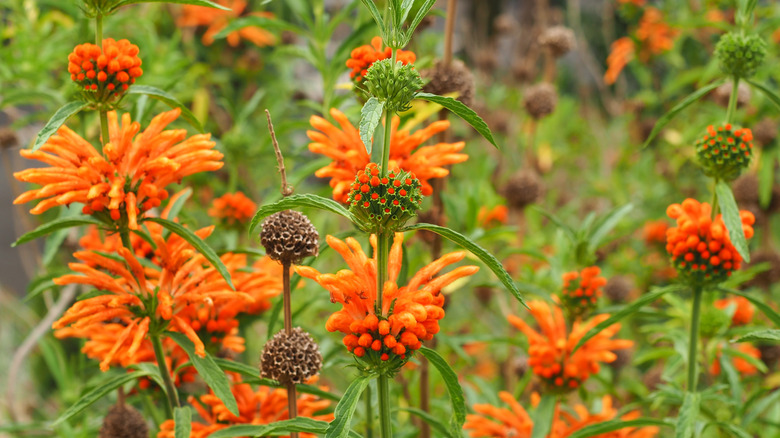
99,30
715,206
170,390
733,99
694,338
385,421
386,146
383,251
369,417
103,126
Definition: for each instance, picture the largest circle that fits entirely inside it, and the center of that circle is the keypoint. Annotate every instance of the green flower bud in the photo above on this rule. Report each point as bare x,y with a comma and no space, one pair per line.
740,55
396,85
384,204
724,152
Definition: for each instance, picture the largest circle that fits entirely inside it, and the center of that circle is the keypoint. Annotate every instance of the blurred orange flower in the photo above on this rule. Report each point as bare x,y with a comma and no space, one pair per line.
496,215
743,310
621,53
363,57
550,352
655,231
566,423
127,179
744,367
409,314
656,36
233,208
216,20
349,155
581,290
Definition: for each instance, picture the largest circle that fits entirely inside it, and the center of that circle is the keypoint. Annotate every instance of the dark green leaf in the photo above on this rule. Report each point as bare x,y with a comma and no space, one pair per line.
252,375
728,206
406,7
459,109
421,13
298,424
760,305
339,427
206,3
689,412
97,393
570,233
182,418
438,425
611,426
628,310
488,259
299,201
453,388
770,335
543,416
168,100
57,120
768,92
370,115
606,225
198,244
208,370
690,99
55,225
377,16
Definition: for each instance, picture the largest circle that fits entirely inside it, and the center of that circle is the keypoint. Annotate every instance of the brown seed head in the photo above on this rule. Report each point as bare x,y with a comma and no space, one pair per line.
540,100
448,79
523,188
124,421
292,358
288,236
558,39
618,288
765,131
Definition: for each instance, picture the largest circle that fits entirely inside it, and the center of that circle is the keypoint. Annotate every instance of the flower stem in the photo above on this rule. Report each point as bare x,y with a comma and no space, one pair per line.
292,397
694,338
715,206
125,235
170,390
369,417
103,117
386,428
99,30
733,99
383,251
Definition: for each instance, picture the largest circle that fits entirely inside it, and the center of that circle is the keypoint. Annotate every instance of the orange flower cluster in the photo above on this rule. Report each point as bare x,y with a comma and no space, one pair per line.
655,37
409,314
349,155
216,20
621,53
107,71
363,57
582,289
494,422
125,181
550,351
489,217
743,310
743,366
262,406
655,232
700,247
233,208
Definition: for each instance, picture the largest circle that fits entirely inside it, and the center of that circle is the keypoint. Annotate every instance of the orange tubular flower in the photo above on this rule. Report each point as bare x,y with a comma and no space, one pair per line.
567,424
233,208
581,290
622,52
130,176
106,71
410,314
493,422
744,367
495,215
217,19
264,406
349,155
363,57
743,310
655,35
550,351
700,247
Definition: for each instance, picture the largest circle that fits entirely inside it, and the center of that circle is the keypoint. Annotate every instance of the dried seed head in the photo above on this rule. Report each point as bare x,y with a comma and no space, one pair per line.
746,189
523,71
765,131
448,79
618,288
523,188
519,365
765,279
292,358
770,355
486,60
722,94
124,421
540,100
558,39
8,138
288,236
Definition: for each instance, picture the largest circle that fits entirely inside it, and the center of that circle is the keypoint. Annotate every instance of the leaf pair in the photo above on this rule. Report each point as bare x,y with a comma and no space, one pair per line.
391,24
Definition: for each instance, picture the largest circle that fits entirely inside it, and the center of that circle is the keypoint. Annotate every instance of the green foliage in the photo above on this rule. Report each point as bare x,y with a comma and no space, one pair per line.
57,120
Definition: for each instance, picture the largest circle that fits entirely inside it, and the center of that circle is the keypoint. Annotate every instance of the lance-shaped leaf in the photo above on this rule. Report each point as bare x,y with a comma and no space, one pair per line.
299,201
206,3
298,424
543,416
421,13
370,115
611,426
55,225
97,393
182,419
454,389
339,427
770,335
57,120
459,109
689,412
728,206
760,305
168,100
377,17
768,92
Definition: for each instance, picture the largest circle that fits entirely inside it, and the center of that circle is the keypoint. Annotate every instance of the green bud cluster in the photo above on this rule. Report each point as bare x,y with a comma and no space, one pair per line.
384,204
724,152
740,55
395,85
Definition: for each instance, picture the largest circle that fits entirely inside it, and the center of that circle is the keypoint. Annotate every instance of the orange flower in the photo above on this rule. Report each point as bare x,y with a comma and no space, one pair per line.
743,310
565,423
744,367
550,351
409,314
655,232
581,290
217,19
496,215
622,52
233,208
263,406
700,247
128,179
364,56
655,35
108,71
349,155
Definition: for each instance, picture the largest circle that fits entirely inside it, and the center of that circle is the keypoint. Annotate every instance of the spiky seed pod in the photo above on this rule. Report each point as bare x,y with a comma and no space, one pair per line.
448,79
292,358
524,188
384,204
722,94
746,189
765,131
618,288
289,236
740,55
724,152
124,421
540,100
558,39
393,85
765,279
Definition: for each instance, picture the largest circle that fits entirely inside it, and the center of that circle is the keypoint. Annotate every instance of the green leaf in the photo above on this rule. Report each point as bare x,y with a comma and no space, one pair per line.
760,305
624,312
339,427
611,426
208,370
97,393
57,120
728,206
299,201
182,418
768,92
606,225
198,244
252,375
298,424
570,233
770,335
370,115
406,7
487,258
689,412
686,102
454,389
377,16
168,100
734,430
55,225
421,13
543,416
206,3
435,423
459,109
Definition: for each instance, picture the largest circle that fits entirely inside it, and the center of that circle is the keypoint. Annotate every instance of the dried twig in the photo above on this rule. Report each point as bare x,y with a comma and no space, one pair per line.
287,190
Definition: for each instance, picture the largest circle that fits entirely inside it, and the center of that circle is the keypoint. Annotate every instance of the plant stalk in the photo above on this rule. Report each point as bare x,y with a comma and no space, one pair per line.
292,397
385,422
99,30
103,116
369,417
733,98
170,389
694,338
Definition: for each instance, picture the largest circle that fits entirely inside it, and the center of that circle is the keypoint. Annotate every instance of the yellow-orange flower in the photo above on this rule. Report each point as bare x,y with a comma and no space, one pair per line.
550,352
106,71
262,406
216,20
127,179
349,155
363,57
233,208
409,314
743,310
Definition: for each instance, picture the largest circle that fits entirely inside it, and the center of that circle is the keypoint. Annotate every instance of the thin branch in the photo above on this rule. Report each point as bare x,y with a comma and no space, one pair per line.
287,190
